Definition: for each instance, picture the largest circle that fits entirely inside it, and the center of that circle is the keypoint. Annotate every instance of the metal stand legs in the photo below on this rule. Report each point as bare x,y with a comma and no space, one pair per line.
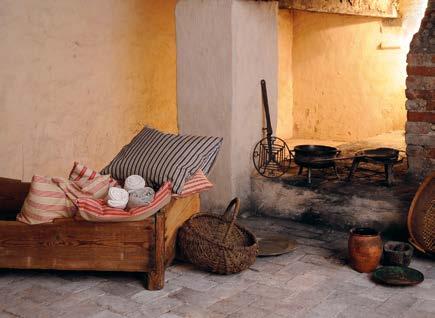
301,168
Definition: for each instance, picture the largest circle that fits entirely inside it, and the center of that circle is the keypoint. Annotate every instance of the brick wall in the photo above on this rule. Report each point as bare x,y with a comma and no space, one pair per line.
420,92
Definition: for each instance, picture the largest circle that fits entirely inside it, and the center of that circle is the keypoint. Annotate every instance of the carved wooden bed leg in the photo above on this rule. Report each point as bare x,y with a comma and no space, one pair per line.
156,277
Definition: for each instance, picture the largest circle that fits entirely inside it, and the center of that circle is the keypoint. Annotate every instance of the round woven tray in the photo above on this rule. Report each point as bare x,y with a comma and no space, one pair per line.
216,243
421,216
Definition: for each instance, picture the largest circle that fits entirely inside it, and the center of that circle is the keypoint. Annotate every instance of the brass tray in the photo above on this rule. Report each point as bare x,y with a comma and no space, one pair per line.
398,276
275,245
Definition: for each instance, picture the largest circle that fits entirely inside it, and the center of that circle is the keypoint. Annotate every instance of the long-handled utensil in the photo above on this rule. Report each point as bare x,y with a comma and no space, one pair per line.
271,154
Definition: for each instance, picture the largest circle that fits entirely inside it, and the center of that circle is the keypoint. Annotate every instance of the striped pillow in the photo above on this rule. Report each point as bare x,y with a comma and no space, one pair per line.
96,188
81,173
54,198
98,211
45,202
196,184
160,157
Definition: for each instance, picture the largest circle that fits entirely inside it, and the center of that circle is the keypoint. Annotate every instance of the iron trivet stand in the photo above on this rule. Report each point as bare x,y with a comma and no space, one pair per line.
388,163
309,178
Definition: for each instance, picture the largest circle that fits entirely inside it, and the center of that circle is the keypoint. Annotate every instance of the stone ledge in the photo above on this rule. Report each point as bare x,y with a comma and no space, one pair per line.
370,8
337,204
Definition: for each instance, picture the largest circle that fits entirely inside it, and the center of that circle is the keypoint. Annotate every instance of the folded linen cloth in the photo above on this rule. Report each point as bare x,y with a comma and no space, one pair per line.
134,182
140,197
117,198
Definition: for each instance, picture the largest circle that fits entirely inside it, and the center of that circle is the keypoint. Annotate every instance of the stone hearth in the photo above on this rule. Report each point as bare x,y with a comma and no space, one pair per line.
365,201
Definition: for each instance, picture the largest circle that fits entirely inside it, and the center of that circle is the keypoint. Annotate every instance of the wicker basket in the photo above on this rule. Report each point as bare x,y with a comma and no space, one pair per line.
216,243
421,216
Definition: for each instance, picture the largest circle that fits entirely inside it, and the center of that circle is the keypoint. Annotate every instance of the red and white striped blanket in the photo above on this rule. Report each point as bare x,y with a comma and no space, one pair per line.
84,192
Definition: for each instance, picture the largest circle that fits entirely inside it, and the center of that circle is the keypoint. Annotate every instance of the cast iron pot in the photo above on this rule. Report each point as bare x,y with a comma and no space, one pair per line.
308,155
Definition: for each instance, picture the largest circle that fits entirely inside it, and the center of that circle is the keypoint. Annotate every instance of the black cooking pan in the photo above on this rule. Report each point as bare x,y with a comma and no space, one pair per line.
377,154
315,156
380,154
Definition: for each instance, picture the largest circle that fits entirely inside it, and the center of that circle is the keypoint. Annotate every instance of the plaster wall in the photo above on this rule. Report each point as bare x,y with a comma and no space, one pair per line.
204,85
349,73
254,57
224,49
284,127
79,78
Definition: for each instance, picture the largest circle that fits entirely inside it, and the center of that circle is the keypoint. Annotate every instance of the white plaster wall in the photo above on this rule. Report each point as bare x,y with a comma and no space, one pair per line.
204,86
412,12
255,57
224,49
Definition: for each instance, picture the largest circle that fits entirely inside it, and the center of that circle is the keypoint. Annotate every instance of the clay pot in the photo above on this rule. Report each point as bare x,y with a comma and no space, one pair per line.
365,249
397,254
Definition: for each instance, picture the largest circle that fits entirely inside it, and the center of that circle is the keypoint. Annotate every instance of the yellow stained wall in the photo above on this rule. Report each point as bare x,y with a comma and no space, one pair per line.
345,86
285,74
79,78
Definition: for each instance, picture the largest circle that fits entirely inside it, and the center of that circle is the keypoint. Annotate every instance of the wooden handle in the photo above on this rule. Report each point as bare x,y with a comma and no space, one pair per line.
266,107
268,123
236,203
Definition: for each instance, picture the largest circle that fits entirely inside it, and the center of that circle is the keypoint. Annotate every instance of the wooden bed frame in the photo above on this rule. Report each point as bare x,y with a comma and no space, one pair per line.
73,244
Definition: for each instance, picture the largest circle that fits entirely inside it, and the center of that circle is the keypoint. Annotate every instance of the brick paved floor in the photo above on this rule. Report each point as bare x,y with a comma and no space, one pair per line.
312,281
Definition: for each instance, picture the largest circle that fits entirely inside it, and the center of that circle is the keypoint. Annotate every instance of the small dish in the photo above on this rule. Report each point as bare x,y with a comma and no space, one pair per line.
275,245
398,276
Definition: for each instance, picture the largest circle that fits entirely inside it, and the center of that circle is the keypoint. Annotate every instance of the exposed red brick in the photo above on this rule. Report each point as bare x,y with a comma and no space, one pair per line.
420,82
420,86
424,140
418,127
420,59
430,105
420,70
421,117
420,93
415,151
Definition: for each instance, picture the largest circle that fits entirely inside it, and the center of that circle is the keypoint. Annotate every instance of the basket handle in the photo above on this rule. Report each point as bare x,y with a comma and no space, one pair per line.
235,211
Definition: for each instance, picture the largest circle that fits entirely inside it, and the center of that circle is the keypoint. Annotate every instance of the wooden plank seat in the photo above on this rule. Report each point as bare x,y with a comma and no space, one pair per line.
74,244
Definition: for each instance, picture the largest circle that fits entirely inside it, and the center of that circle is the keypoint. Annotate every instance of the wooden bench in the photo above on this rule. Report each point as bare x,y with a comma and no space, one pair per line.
72,244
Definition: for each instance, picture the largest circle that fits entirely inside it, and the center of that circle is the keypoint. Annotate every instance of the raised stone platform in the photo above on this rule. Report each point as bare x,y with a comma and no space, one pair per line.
366,201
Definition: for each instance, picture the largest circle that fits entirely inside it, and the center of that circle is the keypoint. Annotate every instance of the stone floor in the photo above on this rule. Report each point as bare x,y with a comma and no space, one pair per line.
312,281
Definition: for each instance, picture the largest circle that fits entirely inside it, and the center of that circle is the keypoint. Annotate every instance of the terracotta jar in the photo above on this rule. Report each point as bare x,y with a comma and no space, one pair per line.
365,249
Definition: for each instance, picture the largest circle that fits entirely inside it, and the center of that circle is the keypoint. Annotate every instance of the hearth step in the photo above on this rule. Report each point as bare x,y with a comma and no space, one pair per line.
335,203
